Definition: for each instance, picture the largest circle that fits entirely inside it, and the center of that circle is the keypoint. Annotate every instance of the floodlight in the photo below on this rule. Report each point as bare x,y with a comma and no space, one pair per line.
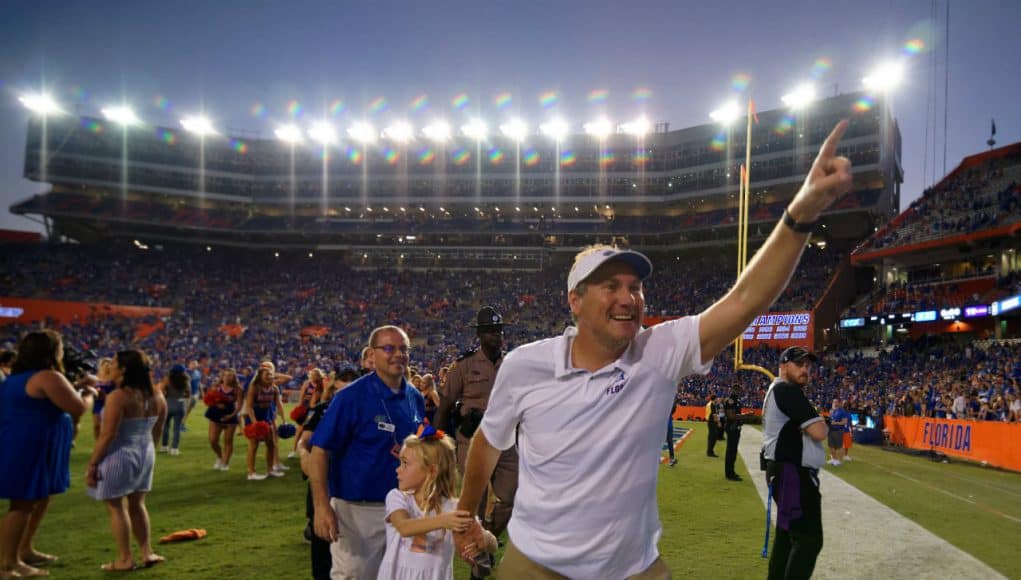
289,134
726,114
515,129
323,133
638,127
556,128
438,131
200,126
121,115
400,132
599,128
40,104
886,77
476,130
800,97
363,132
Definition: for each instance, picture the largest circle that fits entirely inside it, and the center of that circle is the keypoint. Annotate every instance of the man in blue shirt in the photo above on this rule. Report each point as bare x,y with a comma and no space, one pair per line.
840,423
195,378
355,452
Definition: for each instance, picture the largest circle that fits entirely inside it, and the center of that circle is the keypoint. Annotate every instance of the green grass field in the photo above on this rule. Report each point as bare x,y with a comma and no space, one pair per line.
713,528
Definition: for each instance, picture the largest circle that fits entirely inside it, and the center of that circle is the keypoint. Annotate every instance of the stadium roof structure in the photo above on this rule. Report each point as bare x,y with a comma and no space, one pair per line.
523,192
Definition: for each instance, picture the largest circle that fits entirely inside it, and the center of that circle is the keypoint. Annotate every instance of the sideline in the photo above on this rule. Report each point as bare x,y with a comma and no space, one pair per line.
866,539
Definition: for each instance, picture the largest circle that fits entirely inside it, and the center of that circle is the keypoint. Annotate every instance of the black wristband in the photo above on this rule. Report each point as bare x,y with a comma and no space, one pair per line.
805,228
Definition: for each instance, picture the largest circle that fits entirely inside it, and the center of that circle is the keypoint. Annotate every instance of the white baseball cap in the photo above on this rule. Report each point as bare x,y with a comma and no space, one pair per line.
587,265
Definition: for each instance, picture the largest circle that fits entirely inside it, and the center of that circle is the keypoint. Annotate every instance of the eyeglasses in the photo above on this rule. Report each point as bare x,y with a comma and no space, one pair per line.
390,349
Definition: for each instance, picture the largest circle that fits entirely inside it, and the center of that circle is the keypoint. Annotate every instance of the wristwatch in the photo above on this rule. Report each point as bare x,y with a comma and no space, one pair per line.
805,228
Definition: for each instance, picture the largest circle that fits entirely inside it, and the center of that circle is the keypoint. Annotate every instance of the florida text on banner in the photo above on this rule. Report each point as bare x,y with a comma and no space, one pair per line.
994,442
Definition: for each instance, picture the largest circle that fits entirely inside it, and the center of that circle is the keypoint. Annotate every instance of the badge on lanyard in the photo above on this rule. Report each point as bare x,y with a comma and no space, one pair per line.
384,426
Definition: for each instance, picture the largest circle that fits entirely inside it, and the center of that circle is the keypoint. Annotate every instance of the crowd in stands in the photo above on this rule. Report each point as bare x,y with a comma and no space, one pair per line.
930,377
979,198
236,309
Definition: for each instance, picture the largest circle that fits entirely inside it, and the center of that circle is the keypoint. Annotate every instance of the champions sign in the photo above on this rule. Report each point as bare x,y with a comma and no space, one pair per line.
780,330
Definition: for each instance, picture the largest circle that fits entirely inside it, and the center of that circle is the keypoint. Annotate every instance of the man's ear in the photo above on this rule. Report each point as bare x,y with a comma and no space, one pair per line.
574,301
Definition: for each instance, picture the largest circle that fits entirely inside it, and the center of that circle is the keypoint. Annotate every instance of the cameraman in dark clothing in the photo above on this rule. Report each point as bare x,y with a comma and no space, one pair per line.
792,436
732,427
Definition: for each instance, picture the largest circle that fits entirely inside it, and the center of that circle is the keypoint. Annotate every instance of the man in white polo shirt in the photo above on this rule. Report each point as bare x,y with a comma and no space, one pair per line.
588,406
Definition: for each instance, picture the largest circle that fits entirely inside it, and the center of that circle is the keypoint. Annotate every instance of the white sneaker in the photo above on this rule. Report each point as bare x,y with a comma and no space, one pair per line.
277,473
292,455
280,467
164,449
224,467
847,458
256,476
218,465
175,451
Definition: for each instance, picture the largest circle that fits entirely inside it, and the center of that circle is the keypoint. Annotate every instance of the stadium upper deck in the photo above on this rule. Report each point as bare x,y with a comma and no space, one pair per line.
661,189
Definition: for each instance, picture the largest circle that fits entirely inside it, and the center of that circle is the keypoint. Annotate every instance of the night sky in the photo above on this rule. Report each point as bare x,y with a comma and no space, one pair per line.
246,64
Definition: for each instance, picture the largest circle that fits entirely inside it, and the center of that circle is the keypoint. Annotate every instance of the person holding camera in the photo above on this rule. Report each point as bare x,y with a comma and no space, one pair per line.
39,409
469,383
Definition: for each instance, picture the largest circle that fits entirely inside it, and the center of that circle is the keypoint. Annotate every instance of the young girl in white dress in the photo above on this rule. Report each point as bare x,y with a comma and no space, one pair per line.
421,514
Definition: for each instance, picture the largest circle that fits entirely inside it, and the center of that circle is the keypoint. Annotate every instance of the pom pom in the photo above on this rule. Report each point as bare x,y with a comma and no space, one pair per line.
299,413
258,431
214,397
286,431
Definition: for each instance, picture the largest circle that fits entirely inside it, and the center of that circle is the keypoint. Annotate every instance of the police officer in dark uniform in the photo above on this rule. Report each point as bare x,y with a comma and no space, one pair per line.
732,427
469,383
712,419
792,436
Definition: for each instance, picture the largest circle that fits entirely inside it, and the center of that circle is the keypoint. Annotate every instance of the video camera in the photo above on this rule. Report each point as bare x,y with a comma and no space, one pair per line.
78,363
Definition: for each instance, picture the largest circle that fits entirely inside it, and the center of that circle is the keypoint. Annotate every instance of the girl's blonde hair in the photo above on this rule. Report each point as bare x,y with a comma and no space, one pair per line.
438,451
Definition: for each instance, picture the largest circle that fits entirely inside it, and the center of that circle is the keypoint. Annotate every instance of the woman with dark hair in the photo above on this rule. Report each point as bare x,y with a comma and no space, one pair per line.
38,412
177,388
223,416
122,463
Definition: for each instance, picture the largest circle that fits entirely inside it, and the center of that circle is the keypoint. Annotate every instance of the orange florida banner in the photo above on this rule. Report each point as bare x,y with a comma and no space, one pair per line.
993,442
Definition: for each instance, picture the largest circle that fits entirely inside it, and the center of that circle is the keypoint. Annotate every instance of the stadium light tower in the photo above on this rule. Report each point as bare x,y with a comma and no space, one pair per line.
323,133
40,104
516,130
437,131
639,127
201,126
600,128
198,125
476,129
363,132
885,77
122,115
291,135
726,114
802,96
399,132
556,129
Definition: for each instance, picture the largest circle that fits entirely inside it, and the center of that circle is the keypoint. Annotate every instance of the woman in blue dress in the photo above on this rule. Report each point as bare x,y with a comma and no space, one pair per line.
38,412
120,469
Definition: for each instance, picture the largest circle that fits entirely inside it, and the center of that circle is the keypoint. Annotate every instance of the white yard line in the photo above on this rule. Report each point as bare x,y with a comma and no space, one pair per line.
867,539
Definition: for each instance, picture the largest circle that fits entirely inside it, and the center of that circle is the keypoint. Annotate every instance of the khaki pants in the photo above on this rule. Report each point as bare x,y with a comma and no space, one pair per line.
504,484
515,565
361,539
